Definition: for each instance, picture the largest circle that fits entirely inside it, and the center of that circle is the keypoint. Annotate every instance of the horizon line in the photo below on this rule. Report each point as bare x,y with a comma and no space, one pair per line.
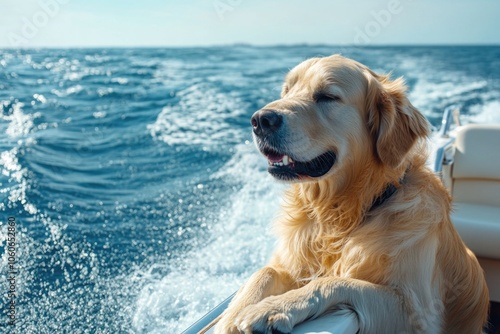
244,44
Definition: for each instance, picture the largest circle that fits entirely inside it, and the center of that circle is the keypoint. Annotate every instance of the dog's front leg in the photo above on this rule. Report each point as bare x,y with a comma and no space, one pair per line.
380,309
265,282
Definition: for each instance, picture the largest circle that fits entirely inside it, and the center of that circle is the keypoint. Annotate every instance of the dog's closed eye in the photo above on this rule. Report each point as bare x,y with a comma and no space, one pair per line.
321,97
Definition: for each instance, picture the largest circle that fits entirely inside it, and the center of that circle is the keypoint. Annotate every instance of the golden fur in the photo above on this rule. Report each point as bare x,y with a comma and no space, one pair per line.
401,266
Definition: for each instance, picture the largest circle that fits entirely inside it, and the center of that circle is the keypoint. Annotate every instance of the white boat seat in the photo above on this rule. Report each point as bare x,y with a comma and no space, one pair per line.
475,187
474,179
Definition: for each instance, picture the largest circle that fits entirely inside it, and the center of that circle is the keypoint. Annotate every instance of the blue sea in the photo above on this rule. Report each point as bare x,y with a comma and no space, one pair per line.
140,201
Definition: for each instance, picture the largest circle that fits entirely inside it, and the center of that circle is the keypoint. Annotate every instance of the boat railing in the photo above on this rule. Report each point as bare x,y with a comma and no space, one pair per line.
445,152
201,325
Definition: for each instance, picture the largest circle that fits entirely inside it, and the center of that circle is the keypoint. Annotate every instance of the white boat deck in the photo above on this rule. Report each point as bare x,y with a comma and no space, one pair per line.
343,321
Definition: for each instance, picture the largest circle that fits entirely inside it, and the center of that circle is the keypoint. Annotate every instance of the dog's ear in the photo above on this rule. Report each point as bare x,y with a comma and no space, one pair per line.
394,123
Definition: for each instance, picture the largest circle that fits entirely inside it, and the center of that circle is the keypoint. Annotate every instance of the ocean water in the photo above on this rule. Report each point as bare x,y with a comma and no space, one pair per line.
139,198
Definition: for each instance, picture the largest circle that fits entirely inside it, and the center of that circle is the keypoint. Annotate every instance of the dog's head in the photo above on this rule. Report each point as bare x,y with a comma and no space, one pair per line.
335,111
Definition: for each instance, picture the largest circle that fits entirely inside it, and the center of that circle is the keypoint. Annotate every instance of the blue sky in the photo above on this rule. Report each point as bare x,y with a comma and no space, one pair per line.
213,22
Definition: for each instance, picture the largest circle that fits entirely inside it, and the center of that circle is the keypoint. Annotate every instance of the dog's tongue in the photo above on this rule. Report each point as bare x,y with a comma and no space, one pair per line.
275,157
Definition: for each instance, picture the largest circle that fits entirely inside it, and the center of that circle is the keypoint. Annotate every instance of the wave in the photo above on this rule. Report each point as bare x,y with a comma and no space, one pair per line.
240,242
20,123
203,115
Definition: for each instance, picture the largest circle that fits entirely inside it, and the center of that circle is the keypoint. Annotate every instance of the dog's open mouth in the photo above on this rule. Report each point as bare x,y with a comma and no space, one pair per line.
283,167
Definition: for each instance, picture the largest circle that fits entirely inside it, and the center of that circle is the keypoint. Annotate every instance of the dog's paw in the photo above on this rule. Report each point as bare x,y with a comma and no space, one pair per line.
226,326
266,317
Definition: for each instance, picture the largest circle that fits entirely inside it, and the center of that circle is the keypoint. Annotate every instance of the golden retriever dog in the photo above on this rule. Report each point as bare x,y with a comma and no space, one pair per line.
365,224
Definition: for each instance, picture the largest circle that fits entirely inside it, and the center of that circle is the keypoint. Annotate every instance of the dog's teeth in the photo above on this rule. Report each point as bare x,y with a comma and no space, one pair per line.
285,160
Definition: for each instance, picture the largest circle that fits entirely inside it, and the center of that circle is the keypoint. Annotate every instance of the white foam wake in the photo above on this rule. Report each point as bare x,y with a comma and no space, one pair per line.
488,113
203,116
20,123
240,244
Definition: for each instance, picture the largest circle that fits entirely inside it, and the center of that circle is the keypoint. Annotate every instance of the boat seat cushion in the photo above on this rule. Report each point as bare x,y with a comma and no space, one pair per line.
477,154
485,192
479,227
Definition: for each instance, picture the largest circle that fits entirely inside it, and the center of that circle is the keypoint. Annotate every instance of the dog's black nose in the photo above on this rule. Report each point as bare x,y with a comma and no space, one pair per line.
265,122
